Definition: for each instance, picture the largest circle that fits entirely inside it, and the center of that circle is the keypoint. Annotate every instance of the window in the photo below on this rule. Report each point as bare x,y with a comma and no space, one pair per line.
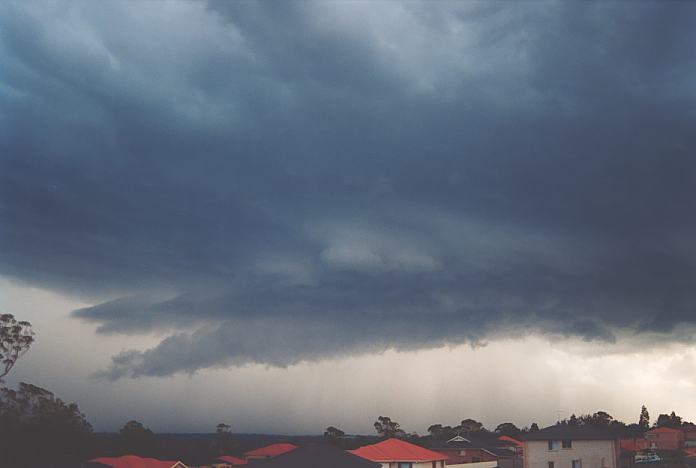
405,465
434,464
554,444
567,443
550,464
576,464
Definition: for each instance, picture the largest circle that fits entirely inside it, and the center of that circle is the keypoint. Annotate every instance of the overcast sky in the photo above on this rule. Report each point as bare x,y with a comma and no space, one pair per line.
295,214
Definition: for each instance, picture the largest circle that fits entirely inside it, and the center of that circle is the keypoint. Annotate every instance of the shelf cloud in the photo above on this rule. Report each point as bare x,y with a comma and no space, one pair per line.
274,183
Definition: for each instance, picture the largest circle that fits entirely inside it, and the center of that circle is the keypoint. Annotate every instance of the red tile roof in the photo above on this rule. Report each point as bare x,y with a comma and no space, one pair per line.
664,429
634,445
395,450
270,451
516,442
133,461
230,460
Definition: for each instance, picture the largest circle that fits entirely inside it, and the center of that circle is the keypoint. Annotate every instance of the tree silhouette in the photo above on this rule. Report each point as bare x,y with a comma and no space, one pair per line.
38,429
15,339
644,419
388,428
471,425
137,439
534,427
333,433
508,429
223,442
669,420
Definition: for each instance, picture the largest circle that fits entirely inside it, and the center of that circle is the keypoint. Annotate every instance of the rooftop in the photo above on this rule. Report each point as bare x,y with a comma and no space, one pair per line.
563,431
133,461
316,456
272,450
394,450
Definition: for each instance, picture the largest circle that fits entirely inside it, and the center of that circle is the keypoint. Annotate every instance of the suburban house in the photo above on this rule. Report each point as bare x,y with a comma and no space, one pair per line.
689,431
133,461
316,456
485,449
665,438
269,451
566,446
519,446
634,444
397,453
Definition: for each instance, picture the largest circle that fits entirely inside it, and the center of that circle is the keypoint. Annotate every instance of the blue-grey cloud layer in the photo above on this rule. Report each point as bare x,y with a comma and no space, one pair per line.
277,182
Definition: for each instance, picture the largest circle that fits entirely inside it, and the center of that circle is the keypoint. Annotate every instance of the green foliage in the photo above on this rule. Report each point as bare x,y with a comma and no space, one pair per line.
15,339
38,429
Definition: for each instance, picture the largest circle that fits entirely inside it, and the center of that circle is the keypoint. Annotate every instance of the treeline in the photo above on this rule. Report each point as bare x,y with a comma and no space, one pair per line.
386,427
39,429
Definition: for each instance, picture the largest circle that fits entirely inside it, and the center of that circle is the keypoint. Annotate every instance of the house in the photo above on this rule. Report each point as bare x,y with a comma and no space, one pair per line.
397,453
269,451
479,448
635,444
511,442
566,446
133,461
230,460
316,456
665,438
689,431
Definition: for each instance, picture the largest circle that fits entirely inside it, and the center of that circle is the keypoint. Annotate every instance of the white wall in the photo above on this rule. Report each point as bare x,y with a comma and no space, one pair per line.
487,464
592,453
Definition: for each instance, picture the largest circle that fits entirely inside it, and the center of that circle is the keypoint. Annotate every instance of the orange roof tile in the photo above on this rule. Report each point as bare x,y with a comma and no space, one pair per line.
394,450
270,451
634,445
664,429
511,440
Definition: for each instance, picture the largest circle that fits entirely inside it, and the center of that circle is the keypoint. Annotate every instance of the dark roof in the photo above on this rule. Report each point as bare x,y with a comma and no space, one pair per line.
501,452
315,456
475,441
563,431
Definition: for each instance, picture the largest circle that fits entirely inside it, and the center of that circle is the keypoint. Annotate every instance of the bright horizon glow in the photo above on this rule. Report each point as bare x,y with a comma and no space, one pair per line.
510,380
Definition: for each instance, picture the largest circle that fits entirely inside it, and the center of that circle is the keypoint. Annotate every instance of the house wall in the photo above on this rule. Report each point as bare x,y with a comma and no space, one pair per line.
671,440
475,465
592,453
459,456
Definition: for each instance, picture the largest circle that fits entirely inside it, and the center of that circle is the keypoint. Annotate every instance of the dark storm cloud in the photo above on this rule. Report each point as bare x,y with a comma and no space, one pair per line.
279,182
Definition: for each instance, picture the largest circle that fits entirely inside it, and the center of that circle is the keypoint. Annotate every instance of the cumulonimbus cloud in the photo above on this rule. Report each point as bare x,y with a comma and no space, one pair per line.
275,183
